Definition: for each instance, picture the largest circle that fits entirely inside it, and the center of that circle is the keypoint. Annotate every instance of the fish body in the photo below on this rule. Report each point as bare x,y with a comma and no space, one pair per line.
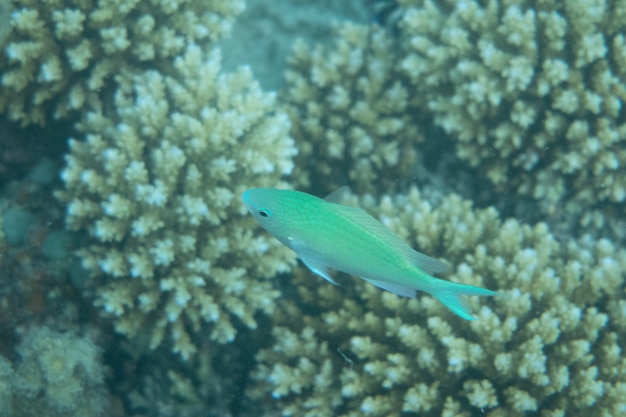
326,235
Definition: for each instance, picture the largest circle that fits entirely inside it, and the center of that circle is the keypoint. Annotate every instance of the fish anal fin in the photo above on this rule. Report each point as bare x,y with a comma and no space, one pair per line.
401,290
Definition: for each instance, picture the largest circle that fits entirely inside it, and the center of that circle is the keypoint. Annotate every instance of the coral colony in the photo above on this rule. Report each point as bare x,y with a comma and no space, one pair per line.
531,94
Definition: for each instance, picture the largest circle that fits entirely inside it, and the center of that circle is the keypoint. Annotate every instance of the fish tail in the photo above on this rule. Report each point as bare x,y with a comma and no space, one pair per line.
450,294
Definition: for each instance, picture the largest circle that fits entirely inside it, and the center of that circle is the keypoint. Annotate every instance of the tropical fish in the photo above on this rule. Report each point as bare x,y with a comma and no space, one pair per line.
326,235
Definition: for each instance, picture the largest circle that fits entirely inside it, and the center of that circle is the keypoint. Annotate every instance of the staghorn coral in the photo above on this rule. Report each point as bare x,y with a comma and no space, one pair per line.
349,108
548,345
61,55
59,374
534,93
157,186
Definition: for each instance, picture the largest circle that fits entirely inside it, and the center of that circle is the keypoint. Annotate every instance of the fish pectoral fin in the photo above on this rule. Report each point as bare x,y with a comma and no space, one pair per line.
398,289
319,269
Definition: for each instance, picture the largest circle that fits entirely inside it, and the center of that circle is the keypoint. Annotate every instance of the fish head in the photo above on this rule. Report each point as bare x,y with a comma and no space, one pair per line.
272,209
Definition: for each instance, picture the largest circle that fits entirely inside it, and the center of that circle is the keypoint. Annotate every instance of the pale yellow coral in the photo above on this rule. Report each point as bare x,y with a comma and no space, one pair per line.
58,374
157,186
349,108
59,58
543,345
533,100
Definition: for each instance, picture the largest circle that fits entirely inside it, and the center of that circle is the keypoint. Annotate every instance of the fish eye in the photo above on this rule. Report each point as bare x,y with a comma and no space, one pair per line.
264,213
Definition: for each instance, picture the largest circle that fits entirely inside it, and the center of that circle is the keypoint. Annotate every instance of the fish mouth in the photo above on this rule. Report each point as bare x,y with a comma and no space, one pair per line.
245,197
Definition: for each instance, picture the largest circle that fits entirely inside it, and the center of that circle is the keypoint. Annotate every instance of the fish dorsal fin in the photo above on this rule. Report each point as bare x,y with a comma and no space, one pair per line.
338,195
369,223
426,263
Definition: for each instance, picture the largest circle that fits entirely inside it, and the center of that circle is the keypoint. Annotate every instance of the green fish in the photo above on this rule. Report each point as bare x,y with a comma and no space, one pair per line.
326,235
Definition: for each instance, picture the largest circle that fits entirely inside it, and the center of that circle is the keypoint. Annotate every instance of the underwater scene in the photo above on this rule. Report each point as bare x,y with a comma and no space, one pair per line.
301,208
